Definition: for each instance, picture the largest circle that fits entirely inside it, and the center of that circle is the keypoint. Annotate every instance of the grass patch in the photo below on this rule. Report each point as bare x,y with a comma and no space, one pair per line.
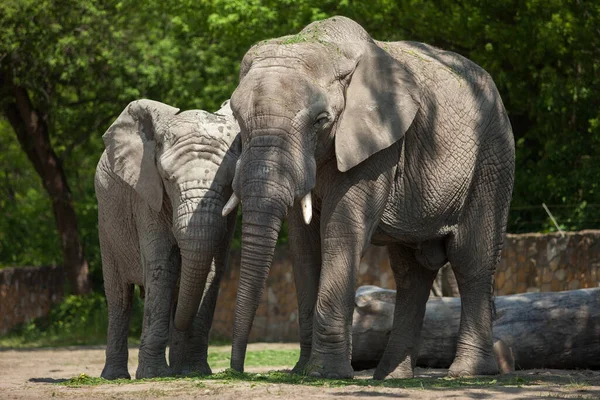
262,358
576,385
274,377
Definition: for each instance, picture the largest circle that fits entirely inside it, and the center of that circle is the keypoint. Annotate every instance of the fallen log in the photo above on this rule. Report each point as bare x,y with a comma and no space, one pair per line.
542,330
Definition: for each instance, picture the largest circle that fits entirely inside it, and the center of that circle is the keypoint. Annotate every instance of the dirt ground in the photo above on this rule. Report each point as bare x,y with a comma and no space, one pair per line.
31,374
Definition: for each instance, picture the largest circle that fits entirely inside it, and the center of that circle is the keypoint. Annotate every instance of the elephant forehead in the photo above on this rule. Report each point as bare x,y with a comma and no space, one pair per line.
276,98
200,169
199,150
199,127
309,57
195,155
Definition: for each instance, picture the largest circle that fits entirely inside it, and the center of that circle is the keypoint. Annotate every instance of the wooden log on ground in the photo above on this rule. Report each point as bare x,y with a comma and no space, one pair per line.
543,330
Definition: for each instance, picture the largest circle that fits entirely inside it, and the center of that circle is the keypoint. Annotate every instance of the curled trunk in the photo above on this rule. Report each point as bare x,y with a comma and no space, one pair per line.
195,266
198,232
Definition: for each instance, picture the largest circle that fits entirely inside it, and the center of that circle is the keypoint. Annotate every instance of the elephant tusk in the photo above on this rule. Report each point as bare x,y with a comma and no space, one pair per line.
306,203
231,204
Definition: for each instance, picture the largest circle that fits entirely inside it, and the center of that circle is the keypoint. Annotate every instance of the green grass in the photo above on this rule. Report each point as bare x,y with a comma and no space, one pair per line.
577,385
280,358
270,358
229,376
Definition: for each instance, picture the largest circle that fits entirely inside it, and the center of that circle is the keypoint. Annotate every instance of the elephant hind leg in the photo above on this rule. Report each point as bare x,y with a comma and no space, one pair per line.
474,252
474,349
413,283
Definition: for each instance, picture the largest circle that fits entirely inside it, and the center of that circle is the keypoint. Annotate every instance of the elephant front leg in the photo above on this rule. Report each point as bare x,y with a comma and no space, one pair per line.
349,215
413,282
160,280
305,243
332,321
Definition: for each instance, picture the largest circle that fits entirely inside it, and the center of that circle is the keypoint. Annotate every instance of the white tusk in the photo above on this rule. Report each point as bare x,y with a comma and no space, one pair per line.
306,203
231,205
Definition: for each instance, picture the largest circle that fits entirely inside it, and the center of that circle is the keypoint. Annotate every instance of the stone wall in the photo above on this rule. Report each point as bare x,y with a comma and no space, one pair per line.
536,262
530,263
27,293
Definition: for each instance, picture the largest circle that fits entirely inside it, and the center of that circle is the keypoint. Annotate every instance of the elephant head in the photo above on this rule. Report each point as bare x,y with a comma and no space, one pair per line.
329,93
181,165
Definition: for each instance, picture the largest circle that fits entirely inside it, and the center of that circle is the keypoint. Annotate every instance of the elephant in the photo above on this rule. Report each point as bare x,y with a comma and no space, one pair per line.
161,184
359,142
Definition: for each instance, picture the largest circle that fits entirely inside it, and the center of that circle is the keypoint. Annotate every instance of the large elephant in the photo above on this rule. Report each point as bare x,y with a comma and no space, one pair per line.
161,184
359,141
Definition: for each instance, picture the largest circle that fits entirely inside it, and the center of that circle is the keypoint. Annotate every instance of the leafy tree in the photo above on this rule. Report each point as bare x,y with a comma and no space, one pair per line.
545,59
66,69
72,66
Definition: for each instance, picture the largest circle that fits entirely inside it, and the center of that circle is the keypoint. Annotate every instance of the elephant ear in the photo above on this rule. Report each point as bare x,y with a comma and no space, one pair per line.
382,100
131,148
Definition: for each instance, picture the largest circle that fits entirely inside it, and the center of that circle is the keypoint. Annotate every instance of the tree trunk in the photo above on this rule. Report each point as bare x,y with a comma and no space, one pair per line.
543,330
31,128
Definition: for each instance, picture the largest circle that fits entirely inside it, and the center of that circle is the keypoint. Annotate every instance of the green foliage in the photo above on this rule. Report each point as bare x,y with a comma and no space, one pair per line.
78,320
27,229
83,60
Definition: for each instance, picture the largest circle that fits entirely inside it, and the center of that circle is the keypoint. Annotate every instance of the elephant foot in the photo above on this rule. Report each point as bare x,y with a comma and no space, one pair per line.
300,367
403,371
152,370
112,373
472,366
197,368
330,367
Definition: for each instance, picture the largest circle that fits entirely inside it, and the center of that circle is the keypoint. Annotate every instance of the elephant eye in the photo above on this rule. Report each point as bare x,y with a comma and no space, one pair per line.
321,119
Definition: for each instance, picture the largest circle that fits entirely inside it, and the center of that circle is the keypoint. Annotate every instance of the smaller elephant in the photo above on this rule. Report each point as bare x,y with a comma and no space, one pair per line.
161,184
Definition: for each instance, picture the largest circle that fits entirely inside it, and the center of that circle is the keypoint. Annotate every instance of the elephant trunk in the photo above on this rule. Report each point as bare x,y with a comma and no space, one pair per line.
198,234
261,222
271,175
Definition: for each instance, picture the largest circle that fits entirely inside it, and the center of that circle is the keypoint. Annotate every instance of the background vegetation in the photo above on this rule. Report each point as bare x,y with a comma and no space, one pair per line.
67,69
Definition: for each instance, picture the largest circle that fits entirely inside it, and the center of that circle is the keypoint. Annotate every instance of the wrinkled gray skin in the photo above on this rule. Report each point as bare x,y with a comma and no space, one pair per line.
161,185
401,144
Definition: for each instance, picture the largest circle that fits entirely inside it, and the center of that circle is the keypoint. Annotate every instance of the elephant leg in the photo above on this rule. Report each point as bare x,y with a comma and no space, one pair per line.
474,348
474,252
161,270
305,243
413,282
119,297
349,214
